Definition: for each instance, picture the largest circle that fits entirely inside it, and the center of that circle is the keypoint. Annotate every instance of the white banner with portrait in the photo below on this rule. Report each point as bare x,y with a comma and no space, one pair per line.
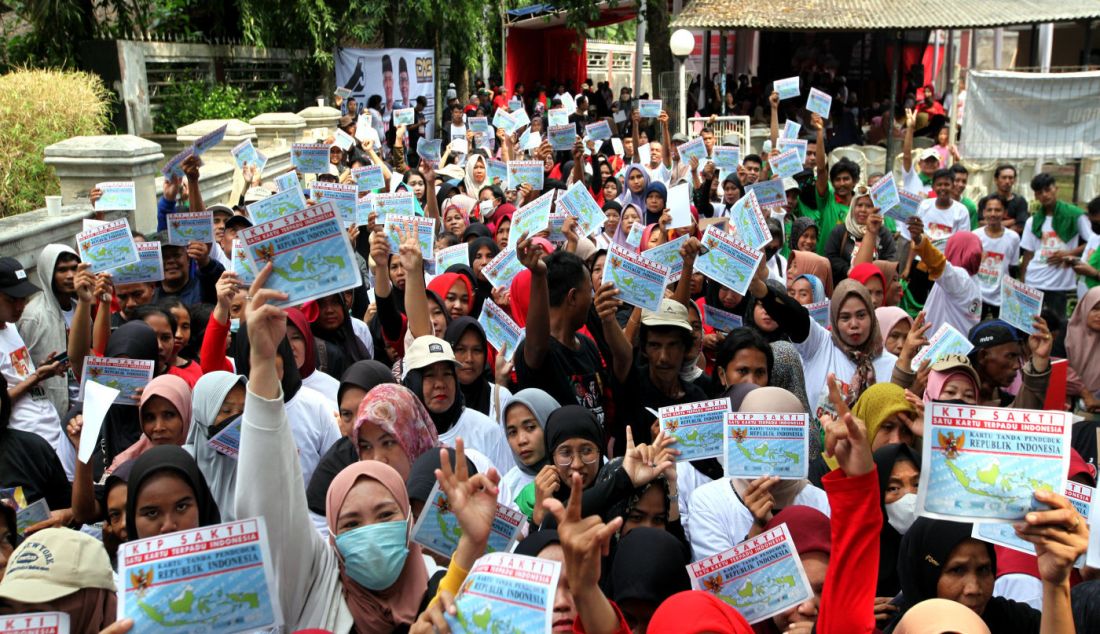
398,75
1013,115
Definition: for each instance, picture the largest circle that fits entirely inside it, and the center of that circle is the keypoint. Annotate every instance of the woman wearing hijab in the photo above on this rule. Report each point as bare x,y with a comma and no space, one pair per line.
314,428
656,202
333,325
367,575
475,376
770,309
456,292
1083,341
81,586
649,566
952,379
709,614
807,289
477,175
456,214
727,511
501,224
894,325
481,251
165,493
852,349
872,278
165,413
217,402
898,466
636,181
305,349
804,234
631,215
431,374
358,381
895,286
122,426
809,263
844,240
956,297
939,559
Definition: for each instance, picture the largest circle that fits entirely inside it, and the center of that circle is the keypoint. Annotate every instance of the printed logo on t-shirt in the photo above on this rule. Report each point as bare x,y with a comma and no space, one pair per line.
824,405
21,362
1049,244
938,234
588,390
989,274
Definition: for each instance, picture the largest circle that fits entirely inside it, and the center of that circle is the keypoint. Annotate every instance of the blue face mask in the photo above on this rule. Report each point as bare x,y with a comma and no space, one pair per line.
374,555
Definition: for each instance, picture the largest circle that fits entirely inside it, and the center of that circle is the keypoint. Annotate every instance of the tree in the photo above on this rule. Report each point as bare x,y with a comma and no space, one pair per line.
656,35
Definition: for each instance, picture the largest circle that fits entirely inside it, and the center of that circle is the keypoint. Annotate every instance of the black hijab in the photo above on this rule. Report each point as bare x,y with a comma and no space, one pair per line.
477,394
168,458
122,427
343,335
364,375
242,349
650,565
750,302
477,230
414,380
567,423
534,543
710,294
422,474
890,539
799,227
483,288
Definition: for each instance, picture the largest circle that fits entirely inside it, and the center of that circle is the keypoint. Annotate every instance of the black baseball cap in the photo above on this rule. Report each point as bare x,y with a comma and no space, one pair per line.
238,222
13,279
992,332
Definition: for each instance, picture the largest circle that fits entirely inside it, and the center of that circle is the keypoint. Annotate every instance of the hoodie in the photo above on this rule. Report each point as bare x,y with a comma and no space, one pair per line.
43,326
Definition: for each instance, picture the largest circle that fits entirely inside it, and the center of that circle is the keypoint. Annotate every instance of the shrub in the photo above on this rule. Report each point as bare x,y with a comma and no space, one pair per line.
186,102
40,108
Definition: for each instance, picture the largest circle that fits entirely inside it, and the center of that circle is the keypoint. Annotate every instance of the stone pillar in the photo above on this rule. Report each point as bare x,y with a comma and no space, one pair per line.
236,132
82,162
277,128
320,122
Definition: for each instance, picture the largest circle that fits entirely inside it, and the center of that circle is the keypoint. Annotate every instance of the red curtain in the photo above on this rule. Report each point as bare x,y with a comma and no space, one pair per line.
541,55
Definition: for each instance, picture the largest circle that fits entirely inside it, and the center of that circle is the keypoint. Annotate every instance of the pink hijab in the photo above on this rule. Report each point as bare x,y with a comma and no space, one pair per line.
463,203
936,381
964,250
378,612
399,413
176,391
1082,343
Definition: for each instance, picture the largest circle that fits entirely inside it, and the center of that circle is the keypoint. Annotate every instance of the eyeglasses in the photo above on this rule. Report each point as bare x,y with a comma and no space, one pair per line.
563,456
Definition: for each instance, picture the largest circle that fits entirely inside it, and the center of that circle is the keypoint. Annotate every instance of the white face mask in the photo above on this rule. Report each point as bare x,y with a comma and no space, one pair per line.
902,513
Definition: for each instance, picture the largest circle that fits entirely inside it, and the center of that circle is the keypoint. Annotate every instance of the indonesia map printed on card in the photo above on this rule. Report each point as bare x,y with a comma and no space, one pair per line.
726,158
669,255
783,144
598,131
769,193
502,333
498,170
148,268
396,225
641,281
504,120
562,137
696,148
525,173
228,441
450,256
310,253
787,88
819,102
506,593
786,164
761,444
906,207
201,581
244,153
759,577
116,196
241,265
747,222
502,268
283,203
193,226
1079,495
209,140
531,218
719,319
107,246
343,197
368,178
983,464
309,158
729,261
437,527
819,312
578,202
947,340
649,108
1020,304
884,193
791,129
404,116
125,375
697,427
400,203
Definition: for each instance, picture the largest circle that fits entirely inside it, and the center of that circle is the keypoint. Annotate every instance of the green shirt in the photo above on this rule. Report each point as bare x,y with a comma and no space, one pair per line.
972,207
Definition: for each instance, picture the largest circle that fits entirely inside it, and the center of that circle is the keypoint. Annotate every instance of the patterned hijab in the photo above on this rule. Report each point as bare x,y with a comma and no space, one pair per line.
396,410
863,354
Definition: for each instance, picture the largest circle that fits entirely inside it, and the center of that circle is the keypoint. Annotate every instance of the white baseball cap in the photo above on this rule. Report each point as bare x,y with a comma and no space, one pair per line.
929,153
669,313
428,350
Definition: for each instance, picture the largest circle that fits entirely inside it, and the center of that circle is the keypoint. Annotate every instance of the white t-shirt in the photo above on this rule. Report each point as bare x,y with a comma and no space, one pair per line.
362,331
1090,248
659,174
956,299
313,424
997,255
480,432
910,181
820,356
31,412
324,384
719,520
68,315
939,224
1041,275
510,486
688,478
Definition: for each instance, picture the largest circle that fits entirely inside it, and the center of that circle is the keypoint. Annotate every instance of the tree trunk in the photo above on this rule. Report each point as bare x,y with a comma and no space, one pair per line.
657,34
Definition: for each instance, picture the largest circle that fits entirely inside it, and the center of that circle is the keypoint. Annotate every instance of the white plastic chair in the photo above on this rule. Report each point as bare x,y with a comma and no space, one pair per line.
852,154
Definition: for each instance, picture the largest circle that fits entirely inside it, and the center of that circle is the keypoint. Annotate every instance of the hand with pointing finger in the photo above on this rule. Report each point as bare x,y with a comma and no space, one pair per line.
846,436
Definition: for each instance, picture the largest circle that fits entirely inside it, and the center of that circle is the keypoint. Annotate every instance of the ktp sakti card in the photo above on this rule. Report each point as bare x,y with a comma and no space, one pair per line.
641,281
310,158
116,196
506,593
148,268
787,88
283,203
766,444
525,173
502,332
107,246
193,226
697,427
1020,304
728,261
125,375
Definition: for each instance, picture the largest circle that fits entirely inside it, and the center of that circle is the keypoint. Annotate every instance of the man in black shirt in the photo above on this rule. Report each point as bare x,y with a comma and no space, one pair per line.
1016,208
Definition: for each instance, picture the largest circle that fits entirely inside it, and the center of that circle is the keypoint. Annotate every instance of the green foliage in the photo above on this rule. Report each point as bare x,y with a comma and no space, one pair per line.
40,108
190,101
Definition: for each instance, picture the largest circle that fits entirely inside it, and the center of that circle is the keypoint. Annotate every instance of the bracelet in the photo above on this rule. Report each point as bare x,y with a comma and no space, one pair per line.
674,497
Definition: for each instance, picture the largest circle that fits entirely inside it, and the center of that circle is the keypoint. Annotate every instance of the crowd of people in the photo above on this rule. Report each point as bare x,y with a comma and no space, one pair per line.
354,405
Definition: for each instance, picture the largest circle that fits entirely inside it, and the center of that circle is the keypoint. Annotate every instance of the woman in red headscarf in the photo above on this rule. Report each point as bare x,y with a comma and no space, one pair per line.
956,298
